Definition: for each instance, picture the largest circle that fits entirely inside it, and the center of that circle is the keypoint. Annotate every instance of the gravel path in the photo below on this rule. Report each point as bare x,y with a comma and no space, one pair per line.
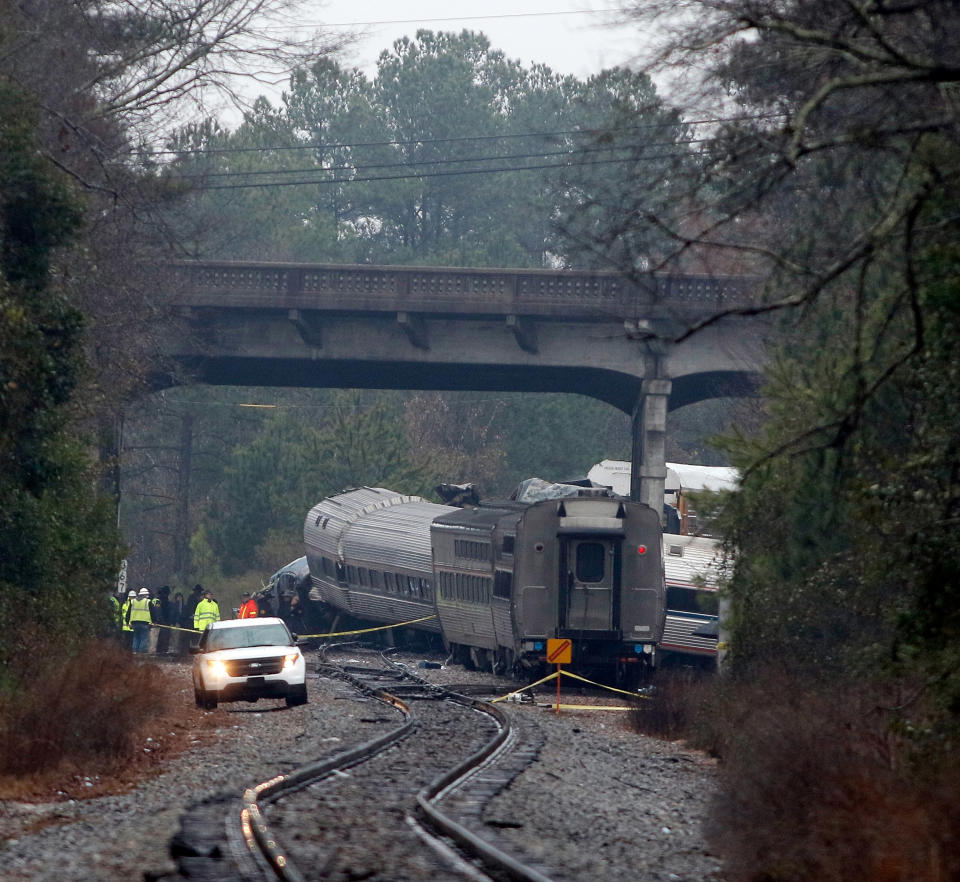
601,801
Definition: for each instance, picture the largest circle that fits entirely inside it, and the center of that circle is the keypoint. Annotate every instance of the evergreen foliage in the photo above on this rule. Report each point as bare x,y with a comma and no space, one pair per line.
60,548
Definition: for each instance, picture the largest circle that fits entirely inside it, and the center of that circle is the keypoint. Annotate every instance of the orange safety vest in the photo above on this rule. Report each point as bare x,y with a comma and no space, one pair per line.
248,609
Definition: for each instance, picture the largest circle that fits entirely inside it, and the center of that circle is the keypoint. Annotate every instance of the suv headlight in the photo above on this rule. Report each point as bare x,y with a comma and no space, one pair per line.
216,667
290,659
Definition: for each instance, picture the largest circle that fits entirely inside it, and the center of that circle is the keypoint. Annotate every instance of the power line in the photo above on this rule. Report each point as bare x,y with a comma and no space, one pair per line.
504,15
452,140
438,162
423,175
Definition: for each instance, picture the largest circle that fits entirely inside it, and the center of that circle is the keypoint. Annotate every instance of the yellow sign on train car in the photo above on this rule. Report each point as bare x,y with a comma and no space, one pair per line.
559,651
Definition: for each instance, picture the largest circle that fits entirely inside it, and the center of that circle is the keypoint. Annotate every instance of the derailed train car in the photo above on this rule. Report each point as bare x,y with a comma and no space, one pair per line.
498,580
693,567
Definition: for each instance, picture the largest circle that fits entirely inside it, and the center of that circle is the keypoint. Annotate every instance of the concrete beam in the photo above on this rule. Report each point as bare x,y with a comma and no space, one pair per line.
648,460
415,328
525,331
308,323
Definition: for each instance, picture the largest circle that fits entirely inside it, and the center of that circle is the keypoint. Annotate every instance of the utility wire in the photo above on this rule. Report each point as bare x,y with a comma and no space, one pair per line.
436,162
423,175
359,24
453,140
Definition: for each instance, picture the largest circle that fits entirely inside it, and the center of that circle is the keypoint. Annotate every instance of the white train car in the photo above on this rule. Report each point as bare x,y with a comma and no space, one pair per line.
369,555
692,569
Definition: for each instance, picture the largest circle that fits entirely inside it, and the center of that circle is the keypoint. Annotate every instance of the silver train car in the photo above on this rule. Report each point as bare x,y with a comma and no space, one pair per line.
500,579
692,566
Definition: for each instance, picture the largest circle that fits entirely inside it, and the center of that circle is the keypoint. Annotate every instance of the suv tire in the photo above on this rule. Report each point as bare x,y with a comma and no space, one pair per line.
204,699
297,695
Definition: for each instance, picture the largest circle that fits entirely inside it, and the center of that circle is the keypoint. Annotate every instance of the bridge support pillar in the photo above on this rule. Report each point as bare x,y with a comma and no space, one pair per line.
648,458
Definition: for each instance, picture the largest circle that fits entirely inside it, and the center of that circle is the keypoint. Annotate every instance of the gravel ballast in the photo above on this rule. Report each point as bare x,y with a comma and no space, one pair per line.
601,801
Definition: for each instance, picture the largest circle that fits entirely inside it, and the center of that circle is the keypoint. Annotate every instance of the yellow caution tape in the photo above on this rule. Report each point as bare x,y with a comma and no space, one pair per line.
608,688
518,691
175,628
618,707
575,677
365,630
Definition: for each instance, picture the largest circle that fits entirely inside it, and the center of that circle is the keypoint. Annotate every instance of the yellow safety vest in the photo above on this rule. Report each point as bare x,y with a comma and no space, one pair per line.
206,613
123,615
140,610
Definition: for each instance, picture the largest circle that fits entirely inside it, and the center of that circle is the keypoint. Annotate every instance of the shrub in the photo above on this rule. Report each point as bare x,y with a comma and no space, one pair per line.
681,704
827,784
74,706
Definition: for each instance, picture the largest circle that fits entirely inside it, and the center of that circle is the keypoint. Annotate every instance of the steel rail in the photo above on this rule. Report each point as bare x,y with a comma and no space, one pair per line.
255,830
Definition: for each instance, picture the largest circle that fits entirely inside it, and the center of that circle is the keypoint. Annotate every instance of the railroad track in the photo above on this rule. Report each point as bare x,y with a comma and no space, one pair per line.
405,804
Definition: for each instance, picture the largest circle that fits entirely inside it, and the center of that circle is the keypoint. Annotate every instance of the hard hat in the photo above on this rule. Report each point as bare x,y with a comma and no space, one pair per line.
131,594
143,591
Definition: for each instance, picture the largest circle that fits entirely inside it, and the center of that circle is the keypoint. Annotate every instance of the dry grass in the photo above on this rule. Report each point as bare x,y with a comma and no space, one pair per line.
815,783
680,700
818,785
96,724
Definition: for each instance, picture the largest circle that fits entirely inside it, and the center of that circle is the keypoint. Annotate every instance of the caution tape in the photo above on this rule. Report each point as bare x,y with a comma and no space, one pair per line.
601,707
312,636
575,677
506,697
608,688
365,630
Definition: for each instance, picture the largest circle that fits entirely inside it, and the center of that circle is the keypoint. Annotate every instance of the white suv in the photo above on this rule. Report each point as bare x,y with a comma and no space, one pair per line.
247,659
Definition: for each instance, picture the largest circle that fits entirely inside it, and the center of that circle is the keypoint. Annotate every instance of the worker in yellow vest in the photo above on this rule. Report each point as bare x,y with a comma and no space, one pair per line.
139,618
125,627
207,612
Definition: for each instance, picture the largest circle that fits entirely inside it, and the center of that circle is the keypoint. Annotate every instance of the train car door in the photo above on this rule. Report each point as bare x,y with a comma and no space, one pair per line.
589,583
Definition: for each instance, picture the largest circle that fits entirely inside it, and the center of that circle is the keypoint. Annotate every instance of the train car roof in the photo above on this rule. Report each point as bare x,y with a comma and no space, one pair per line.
397,537
692,561
355,523
486,517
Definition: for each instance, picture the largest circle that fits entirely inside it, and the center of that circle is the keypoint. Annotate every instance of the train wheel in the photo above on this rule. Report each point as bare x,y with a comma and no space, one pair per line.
480,659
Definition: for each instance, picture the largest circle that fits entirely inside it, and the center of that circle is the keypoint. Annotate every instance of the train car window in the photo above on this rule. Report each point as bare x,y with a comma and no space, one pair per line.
427,590
503,583
376,578
411,585
693,601
351,574
363,577
508,544
341,572
590,559
469,550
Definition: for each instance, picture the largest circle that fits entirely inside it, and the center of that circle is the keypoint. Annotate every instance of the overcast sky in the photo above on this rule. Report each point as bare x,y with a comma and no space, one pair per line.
571,36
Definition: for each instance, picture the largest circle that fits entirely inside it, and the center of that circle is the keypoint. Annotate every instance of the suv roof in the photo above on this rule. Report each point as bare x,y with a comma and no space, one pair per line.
246,623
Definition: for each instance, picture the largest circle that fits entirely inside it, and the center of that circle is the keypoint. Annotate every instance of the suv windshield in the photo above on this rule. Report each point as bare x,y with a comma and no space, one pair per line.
237,638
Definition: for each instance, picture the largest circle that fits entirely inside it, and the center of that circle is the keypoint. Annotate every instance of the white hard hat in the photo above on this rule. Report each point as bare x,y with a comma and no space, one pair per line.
143,591
131,594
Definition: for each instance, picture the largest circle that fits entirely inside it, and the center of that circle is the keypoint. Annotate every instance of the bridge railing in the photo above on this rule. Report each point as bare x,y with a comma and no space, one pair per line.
445,289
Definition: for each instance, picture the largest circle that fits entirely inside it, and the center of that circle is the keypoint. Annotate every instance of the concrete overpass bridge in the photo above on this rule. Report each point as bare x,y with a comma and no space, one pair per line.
593,333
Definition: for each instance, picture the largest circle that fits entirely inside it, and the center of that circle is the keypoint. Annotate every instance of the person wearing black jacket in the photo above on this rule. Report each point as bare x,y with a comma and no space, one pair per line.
161,616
